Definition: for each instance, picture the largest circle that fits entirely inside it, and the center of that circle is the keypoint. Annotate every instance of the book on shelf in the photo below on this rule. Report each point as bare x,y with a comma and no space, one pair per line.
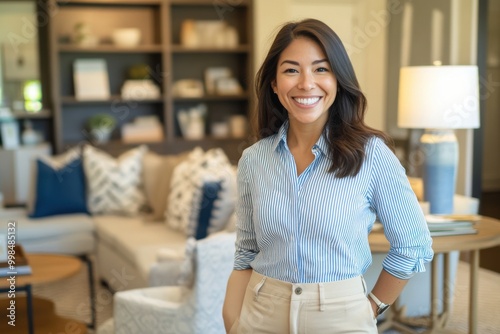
91,79
20,266
442,225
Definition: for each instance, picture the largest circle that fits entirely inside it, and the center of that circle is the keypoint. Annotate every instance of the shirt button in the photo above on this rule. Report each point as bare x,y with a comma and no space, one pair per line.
298,291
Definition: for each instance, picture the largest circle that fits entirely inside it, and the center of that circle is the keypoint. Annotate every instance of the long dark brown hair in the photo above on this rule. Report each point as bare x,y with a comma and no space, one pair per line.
347,133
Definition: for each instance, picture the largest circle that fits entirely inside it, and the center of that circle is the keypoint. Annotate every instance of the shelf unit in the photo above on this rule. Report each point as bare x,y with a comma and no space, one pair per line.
161,50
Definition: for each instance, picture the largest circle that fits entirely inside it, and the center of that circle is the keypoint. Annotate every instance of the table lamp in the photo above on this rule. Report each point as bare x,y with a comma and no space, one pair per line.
439,99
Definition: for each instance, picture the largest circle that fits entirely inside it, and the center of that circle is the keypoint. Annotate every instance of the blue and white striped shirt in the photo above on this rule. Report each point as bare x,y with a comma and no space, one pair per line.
314,227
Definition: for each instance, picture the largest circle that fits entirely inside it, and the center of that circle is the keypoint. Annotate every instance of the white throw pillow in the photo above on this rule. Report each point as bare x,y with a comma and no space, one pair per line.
186,191
114,184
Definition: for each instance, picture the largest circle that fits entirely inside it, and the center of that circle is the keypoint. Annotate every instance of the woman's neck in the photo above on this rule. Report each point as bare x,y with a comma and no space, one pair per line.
303,137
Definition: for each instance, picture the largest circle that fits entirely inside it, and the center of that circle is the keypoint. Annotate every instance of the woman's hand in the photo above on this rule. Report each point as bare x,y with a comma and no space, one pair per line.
235,292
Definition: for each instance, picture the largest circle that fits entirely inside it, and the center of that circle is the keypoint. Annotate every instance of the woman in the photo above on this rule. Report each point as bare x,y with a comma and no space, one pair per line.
309,192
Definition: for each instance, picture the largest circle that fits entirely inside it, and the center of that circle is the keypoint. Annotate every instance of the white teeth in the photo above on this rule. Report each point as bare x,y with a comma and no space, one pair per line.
307,101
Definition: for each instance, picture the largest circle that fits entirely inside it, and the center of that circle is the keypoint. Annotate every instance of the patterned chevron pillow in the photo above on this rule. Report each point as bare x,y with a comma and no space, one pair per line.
114,185
202,193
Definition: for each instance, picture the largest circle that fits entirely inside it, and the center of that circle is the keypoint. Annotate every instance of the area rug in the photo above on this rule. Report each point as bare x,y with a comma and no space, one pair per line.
71,298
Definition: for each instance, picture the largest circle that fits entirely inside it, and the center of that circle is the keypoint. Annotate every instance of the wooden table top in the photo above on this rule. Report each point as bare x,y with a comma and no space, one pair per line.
46,268
488,236
45,320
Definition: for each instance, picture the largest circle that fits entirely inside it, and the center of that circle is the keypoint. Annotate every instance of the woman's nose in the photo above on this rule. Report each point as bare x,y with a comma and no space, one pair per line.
306,81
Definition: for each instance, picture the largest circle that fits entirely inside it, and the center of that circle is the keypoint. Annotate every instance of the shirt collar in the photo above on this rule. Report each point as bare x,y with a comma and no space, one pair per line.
280,140
280,137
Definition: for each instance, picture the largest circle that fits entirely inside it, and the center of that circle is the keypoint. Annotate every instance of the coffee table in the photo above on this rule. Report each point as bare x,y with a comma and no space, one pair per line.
33,312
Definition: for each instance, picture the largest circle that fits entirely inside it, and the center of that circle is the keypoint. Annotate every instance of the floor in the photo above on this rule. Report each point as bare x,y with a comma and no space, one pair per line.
490,206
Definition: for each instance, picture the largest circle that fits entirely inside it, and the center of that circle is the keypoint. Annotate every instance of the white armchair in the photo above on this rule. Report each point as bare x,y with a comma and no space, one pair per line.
180,309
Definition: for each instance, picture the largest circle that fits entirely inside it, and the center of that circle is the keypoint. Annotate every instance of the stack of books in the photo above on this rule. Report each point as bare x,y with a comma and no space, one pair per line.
442,225
16,266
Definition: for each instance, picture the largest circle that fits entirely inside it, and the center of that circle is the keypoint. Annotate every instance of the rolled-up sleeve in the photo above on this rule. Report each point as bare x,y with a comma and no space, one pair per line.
246,244
399,212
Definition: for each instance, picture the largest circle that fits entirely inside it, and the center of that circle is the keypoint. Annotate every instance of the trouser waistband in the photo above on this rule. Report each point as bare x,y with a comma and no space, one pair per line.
317,291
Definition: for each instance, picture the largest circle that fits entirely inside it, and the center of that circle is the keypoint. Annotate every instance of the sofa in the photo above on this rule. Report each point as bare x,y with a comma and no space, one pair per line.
133,241
133,253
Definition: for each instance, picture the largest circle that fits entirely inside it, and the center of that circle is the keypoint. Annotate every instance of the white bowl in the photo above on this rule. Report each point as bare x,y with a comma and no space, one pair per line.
126,37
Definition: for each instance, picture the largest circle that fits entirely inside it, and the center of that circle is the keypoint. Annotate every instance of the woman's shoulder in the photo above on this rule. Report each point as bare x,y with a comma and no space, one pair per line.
262,146
377,148
374,143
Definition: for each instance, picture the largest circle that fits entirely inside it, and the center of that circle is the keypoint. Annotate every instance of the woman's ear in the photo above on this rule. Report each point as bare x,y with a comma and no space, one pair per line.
273,86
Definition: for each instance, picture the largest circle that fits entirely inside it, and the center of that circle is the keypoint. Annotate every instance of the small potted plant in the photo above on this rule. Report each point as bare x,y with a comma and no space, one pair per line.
101,126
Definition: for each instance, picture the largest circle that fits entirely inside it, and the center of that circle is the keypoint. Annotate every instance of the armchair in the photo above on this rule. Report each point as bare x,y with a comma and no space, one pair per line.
180,309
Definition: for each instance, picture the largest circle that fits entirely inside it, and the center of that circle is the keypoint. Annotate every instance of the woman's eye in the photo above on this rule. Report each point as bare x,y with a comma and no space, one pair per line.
322,69
291,70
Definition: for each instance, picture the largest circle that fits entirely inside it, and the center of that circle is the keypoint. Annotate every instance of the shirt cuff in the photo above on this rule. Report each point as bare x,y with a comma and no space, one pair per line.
243,258
404,267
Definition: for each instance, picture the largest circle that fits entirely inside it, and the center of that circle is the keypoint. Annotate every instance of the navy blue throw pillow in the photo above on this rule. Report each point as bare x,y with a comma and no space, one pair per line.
210,194
61,191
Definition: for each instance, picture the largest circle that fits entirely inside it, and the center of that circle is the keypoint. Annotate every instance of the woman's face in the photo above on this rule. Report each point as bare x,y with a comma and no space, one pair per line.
305,83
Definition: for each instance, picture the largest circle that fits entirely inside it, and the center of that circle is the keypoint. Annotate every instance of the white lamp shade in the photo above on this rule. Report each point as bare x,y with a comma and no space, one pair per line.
438,97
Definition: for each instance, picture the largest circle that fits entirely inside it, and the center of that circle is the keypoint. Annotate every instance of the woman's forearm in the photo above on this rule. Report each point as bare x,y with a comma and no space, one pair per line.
235,292
387,289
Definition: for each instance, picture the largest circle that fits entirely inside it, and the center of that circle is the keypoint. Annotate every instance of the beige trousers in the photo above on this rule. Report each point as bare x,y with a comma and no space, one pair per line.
274,306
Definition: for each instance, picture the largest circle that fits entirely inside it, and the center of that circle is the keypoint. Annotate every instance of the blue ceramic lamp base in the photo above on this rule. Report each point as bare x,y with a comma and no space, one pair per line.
440,147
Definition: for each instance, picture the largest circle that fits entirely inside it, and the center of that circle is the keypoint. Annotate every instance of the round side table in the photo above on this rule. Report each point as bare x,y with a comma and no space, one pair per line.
488,235
40,313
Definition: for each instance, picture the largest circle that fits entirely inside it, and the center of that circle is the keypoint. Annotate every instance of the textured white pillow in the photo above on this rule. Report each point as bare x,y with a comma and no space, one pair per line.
114,185
186,191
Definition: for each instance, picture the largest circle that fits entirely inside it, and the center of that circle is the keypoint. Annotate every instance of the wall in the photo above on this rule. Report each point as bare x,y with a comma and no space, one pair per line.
491,162
464,52
362,26
428,31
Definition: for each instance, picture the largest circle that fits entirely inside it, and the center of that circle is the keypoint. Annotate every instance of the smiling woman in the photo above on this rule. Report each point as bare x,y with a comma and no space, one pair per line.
308,194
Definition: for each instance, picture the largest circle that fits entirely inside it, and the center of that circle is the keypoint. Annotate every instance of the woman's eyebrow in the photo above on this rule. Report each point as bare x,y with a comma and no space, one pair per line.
296,63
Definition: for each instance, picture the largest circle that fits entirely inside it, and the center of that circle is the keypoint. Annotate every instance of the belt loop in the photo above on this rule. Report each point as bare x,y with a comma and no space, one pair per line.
364,284
321,297
257,288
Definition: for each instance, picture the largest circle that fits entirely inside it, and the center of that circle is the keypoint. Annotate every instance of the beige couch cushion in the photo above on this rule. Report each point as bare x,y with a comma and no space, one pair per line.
62,234
137,240
158,170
